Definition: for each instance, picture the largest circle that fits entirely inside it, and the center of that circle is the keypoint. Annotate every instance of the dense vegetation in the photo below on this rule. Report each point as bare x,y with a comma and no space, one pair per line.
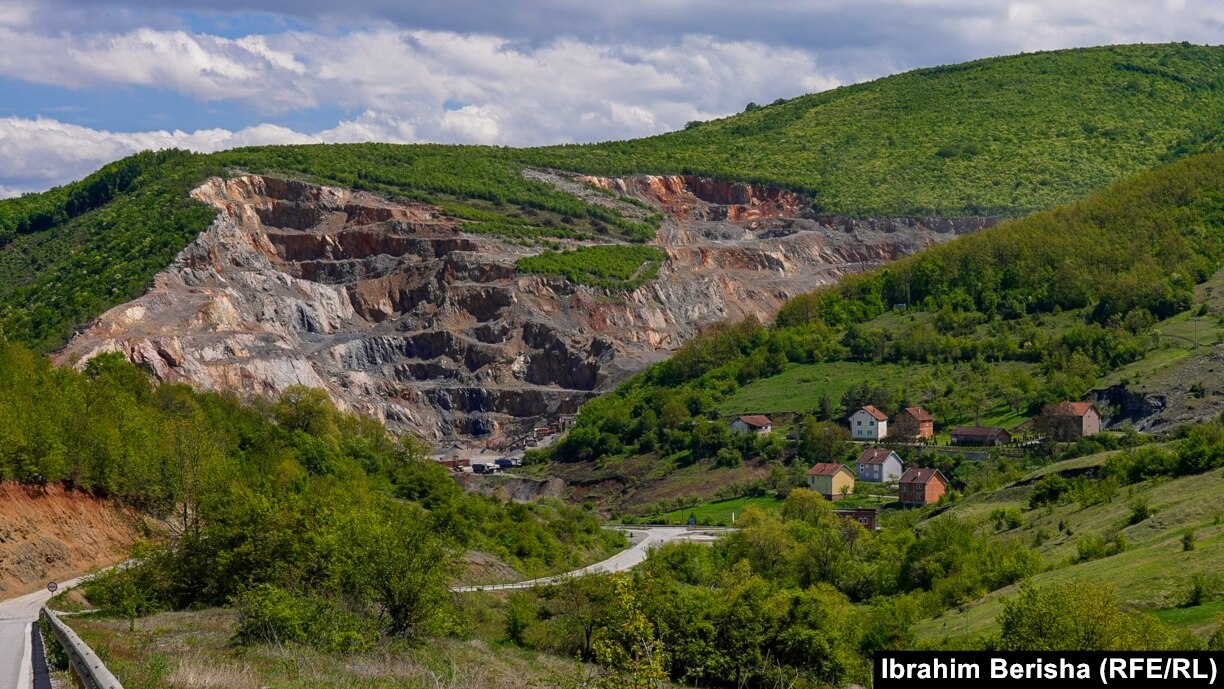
1067,295
1001,136
282,501
802,598
617,266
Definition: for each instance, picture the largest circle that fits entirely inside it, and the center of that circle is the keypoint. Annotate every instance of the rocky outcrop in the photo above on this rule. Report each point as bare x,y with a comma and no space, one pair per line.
400,314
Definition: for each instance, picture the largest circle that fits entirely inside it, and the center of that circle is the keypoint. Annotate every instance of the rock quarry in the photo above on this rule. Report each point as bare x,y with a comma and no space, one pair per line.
400,314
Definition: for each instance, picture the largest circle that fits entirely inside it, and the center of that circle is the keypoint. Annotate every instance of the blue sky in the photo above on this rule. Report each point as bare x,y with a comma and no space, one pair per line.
82,83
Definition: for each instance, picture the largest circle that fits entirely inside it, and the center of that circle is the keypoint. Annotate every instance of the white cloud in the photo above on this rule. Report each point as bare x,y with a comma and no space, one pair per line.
554,71
44,152
512,94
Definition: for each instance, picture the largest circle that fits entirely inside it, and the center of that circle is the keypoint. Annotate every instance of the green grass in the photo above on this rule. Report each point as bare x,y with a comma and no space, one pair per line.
1153,573
797,389
1001,136
718,512
184,650
617,266
1200,619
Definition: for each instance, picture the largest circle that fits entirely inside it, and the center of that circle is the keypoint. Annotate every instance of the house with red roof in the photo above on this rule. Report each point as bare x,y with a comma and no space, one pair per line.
914,423
1067,421
868,423
921,486
878,465
831,479
752,423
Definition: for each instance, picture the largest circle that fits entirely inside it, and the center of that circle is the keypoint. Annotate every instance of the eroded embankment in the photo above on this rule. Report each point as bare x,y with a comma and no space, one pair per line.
49,533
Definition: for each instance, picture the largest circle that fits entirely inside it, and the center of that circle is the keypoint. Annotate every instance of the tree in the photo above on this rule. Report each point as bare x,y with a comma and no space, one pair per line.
807,506
625,647
579,604
390,557
822,441
827,409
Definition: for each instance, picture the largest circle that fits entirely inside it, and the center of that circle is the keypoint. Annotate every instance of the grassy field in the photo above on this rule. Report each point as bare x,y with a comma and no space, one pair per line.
720,512
188,650
1153,573
798,388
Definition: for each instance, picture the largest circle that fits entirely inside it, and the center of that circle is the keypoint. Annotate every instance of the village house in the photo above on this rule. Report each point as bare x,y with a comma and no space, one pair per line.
831,479
868,423
752,423
879,465
914,423
980,436
1067,421
921,486
866,516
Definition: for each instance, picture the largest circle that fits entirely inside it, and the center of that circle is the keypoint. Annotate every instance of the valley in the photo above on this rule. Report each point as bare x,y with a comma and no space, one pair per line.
239,369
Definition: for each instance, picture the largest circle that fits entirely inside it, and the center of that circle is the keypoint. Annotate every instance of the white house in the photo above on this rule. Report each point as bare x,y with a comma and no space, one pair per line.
753,423
868,423
879,465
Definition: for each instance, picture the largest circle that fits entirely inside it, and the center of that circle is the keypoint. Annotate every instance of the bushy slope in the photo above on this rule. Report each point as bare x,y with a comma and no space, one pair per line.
1001,136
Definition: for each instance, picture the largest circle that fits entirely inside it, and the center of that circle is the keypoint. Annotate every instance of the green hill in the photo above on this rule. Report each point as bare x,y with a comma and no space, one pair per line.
997,324
1002,136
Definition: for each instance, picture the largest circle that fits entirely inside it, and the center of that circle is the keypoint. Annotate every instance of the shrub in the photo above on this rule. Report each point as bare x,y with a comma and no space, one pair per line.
1187,540
271,614
1202,590
1006,518
1140,510
1048,491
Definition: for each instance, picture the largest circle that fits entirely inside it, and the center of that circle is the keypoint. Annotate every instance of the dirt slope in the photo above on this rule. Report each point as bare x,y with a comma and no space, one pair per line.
49,533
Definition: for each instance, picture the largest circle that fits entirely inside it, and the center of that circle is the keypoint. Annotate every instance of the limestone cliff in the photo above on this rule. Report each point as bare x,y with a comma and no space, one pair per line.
402,315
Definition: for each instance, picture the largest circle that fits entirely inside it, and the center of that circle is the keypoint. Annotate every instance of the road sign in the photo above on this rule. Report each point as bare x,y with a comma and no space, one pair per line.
52,587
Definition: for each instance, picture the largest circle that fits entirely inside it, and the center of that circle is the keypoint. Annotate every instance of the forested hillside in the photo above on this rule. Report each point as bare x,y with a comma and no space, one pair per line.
1002,136
262,495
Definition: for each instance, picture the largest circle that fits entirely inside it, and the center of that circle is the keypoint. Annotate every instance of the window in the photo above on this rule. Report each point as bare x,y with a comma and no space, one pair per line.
858,423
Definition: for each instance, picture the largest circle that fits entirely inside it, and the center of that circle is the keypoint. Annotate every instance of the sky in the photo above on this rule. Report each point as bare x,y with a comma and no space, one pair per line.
84,82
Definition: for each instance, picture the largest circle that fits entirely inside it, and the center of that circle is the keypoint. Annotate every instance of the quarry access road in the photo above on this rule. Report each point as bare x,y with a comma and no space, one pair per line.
642,540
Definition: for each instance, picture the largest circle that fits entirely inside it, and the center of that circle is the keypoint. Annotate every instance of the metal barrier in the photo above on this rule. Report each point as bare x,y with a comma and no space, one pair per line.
85,664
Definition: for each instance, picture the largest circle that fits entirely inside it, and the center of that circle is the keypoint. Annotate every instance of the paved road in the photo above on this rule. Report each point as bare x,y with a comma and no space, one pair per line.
16,615
643,540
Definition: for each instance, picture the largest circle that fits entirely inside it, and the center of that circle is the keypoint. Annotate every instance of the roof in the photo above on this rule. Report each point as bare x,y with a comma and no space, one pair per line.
1071,408
879,415
979,431
828,469
922,475
918,413
875,455
756,420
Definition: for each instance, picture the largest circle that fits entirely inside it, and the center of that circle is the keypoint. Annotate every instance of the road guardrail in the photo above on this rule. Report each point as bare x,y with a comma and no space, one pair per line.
84,663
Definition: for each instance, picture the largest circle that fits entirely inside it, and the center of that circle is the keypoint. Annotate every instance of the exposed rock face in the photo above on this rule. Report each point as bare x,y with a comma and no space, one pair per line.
401,315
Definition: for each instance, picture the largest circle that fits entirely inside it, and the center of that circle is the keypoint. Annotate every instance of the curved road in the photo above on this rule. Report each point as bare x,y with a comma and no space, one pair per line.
16,616
643,540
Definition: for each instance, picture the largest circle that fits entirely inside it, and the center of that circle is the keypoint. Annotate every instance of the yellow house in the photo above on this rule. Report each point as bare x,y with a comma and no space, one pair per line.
830,479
